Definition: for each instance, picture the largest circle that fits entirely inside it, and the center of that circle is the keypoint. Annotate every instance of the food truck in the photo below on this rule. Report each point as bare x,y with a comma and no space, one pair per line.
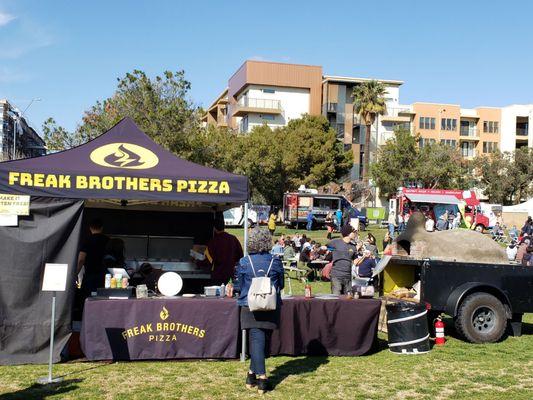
434,202
297,205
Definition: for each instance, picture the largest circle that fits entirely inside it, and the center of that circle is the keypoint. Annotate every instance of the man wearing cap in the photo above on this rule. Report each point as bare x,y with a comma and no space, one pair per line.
343,252
223,252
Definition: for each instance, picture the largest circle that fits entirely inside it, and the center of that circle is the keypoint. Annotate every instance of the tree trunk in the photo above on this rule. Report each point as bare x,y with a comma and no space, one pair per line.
366,160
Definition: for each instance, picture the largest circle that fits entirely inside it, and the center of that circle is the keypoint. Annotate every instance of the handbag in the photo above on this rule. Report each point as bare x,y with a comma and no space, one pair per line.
262,294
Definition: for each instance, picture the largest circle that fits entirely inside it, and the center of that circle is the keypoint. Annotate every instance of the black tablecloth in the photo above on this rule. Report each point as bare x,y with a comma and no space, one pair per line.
135,329
159,328
326,327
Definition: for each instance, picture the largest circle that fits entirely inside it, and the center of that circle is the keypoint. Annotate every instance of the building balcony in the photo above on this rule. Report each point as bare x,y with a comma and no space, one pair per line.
397,114
248,105
468,133
329,108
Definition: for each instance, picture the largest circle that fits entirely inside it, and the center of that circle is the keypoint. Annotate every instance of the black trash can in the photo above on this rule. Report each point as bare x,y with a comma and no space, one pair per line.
408,328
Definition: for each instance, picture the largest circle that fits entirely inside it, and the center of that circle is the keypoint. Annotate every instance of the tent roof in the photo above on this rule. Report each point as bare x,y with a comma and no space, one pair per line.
123,163
433,198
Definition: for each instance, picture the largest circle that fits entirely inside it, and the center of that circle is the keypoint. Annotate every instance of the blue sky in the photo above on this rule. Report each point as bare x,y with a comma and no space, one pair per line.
69,53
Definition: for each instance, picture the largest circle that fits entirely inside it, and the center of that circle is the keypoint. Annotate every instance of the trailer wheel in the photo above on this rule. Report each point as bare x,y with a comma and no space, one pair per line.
481,318
479,228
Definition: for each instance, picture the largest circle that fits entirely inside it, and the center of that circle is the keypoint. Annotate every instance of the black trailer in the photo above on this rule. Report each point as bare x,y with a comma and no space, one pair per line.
483,299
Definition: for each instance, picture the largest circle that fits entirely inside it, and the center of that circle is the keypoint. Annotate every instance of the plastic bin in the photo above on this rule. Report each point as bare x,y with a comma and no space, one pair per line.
407,328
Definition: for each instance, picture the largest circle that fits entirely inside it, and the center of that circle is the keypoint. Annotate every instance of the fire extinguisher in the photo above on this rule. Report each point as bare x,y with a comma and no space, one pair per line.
439,332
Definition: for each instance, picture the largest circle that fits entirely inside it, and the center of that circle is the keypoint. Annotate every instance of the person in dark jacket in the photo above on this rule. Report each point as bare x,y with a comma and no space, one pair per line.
91,257
260,324
222,254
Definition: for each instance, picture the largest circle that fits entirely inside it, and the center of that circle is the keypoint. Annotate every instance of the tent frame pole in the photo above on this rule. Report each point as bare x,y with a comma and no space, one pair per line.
245,225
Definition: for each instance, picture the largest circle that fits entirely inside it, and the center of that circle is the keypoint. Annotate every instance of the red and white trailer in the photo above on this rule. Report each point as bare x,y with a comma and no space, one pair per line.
432,201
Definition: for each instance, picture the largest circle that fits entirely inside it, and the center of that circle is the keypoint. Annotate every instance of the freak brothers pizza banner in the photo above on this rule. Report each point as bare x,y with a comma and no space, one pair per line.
160,328
134,172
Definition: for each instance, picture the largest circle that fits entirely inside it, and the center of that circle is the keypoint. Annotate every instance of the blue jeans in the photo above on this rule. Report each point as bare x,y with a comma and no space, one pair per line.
391,230
309,225
258,348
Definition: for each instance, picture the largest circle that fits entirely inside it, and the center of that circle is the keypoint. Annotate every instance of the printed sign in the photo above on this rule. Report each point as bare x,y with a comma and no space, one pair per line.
9,220
55,277
13,204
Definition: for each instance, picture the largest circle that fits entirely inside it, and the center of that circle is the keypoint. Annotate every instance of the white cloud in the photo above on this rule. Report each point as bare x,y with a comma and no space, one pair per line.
25,36
7,75
5,18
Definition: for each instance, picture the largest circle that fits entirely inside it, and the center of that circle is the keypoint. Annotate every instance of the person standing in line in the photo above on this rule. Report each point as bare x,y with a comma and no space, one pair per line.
343,253
260,324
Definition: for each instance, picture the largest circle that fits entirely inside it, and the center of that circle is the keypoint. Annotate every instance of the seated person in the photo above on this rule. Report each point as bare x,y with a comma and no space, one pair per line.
305,258
497,231
365,264
527,260
288,250
277,249
514,233
512,250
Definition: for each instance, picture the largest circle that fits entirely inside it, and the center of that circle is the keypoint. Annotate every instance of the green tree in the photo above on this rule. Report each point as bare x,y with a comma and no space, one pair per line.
396,163
369,101
402,162
278,160
159,106
56,137
506,177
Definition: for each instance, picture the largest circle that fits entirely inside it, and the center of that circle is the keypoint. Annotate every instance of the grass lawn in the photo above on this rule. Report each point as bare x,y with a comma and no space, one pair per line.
457,370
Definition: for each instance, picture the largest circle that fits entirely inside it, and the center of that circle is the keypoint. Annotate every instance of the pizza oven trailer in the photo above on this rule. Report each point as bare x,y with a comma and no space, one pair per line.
483,299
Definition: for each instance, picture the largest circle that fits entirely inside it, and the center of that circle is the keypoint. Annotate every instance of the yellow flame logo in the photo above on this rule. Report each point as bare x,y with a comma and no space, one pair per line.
124,155
164,313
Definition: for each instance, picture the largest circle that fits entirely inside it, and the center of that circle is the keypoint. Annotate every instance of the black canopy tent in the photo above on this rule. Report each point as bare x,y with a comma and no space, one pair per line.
121,170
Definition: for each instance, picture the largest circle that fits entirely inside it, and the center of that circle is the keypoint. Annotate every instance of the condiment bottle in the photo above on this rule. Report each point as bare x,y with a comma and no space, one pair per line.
113,284
308,292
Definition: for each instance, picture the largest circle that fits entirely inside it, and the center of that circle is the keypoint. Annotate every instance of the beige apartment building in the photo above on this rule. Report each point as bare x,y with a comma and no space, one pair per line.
274,93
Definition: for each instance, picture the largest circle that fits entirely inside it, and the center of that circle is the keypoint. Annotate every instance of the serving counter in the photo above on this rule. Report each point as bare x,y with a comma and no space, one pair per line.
171,328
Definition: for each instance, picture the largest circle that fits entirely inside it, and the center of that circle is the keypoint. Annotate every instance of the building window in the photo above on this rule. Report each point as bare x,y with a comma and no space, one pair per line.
425,142
268,91
448,124
490,147
244,124
267,117
449,142
427,123
491,127
468,149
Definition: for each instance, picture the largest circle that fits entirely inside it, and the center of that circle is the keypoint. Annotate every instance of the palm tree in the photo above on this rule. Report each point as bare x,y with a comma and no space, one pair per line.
369,101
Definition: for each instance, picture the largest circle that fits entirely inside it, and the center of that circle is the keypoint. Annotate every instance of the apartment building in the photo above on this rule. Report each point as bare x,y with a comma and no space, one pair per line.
337,106
17,138
274,93
475,131
267,92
